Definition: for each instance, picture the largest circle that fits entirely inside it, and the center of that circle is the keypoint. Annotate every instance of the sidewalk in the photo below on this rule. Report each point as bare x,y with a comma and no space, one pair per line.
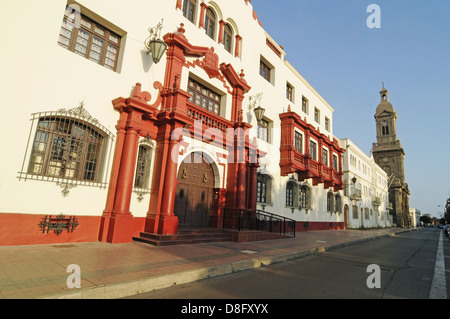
115,271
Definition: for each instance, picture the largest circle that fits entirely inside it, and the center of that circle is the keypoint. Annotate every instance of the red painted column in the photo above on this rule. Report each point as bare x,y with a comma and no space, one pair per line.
253,185
221,26
106,216
237,49
201,22
126,173
121,220
168,222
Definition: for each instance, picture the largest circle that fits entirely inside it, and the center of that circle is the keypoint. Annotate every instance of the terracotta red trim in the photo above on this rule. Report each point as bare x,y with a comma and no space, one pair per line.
292,161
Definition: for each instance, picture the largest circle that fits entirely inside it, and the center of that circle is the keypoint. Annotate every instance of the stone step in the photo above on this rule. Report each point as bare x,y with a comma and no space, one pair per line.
185,236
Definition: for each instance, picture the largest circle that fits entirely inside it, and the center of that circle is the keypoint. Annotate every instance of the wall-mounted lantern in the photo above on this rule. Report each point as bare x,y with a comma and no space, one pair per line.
154,44
259,111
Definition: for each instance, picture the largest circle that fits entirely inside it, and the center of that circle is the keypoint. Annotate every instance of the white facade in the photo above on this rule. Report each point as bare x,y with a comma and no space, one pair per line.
42,78
415,217
368,198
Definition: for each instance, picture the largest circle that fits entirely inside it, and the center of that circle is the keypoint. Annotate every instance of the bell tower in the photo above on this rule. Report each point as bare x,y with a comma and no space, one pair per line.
389,155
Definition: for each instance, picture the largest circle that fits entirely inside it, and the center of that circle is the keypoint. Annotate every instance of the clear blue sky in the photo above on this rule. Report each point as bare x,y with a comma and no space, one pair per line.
329,43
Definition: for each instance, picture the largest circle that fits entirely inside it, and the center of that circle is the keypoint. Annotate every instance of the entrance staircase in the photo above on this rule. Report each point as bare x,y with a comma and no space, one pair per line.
186,236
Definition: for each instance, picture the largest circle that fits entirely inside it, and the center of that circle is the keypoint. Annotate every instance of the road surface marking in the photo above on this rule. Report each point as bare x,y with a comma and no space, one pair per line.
438,285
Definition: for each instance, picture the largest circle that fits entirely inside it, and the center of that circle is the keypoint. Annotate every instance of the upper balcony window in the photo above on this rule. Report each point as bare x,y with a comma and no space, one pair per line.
298,142
210,23
204,97
289,92
264,71
189,9
316,115
227,38
304,105
90,40
313,150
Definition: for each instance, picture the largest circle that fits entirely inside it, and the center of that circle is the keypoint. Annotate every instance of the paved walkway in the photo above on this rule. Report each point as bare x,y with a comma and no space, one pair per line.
116,271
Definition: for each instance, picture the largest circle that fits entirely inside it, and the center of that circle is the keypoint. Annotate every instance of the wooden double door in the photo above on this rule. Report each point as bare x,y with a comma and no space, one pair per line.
194,194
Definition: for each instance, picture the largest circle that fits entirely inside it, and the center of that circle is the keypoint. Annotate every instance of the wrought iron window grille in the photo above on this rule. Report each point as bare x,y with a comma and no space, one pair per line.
75,116
58,224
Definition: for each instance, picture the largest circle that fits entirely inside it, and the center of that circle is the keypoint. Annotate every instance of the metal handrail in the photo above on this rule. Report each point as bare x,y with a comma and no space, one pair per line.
246,219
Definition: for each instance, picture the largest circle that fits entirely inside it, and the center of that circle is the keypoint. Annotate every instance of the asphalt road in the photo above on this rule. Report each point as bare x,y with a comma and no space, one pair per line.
407,265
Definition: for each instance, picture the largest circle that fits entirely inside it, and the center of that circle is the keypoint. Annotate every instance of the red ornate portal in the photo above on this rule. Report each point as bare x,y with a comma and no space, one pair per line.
171,112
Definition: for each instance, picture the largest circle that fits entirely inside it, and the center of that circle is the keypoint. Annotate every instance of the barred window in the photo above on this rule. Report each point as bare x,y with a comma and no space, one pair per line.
337,203
330,202
290,194
304,197
90,40
66,149
67,146
261,189
142,177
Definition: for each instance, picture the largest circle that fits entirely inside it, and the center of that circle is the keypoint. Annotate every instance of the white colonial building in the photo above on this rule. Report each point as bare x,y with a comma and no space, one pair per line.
106,140
366,199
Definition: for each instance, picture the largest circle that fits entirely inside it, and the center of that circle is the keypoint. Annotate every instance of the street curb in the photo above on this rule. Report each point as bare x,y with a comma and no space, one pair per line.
130,288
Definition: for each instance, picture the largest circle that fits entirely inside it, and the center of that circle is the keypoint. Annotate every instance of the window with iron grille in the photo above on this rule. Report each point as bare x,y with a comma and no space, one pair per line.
330,201
144,159
337,203
90,40
261,189
304,197
67,146
204,97
290,194
67,149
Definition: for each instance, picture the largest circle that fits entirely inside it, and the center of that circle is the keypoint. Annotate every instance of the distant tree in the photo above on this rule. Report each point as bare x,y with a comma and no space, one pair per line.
426,219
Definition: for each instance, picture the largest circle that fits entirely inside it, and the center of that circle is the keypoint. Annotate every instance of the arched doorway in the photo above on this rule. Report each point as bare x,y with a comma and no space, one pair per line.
194,193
